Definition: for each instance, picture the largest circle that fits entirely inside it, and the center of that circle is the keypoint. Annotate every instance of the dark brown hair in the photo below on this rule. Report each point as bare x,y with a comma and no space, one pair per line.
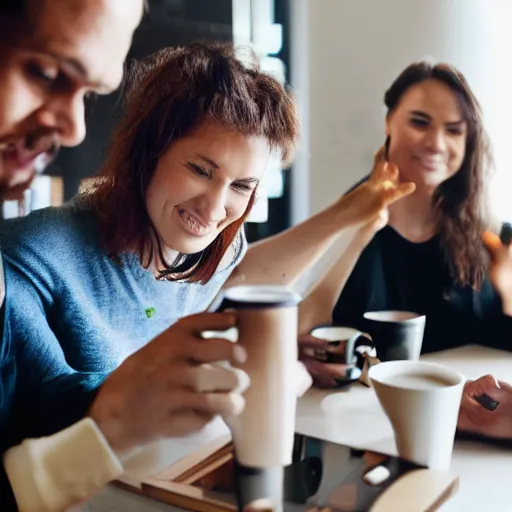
461,201
21,17
167,96
13,20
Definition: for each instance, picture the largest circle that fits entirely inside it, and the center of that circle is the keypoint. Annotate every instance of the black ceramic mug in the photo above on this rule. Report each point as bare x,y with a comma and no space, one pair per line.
397,335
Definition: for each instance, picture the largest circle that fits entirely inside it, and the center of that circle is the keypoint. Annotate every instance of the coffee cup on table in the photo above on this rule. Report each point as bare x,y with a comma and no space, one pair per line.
396,335
343,346
422,401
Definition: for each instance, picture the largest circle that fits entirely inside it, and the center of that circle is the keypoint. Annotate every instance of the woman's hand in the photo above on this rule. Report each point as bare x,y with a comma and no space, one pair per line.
171,387
324,375
500,272
366,205
477,419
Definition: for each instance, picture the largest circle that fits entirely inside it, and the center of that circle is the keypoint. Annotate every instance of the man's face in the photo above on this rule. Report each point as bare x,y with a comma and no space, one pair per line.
73,48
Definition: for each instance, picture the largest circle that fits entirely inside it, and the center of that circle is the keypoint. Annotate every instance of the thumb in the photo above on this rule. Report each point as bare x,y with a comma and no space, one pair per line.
379,166
401,190
379,157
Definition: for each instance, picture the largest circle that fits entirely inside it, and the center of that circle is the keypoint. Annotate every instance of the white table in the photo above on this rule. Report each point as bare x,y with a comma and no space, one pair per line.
354,418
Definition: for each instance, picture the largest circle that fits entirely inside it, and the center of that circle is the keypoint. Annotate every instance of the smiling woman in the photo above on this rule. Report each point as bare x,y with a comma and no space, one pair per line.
195,141
204,183
430,258
160,232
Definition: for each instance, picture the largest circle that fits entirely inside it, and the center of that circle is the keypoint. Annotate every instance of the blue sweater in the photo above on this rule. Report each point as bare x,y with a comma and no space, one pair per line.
75,314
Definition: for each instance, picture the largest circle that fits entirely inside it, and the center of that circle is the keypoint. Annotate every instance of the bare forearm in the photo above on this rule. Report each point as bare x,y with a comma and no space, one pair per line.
318,304
283,259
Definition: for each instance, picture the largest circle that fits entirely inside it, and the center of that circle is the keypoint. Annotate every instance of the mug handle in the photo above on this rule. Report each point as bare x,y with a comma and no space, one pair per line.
360,339
369,361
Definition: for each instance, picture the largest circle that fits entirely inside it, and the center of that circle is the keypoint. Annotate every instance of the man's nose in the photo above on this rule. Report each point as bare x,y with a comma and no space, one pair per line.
65,115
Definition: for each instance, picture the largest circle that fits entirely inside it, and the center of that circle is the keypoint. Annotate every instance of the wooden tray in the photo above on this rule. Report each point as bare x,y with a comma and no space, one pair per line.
190,483
204,482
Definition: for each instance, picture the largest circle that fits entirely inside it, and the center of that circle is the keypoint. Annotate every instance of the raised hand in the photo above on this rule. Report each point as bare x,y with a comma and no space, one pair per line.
170,387
368,202
477,419
500,272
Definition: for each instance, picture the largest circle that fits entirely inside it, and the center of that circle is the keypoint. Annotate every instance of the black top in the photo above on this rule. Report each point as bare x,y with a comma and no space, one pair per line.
393,273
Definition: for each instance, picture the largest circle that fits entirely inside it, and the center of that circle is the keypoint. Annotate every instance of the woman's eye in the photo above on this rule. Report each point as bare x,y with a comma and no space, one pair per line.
242,187
419,122
200,171
455,131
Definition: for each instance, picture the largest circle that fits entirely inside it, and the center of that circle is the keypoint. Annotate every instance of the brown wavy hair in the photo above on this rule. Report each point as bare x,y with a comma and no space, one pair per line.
167,96
461,202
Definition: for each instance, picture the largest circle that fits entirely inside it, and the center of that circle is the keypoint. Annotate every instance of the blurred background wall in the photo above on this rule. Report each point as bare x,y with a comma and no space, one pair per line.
340,56
346,53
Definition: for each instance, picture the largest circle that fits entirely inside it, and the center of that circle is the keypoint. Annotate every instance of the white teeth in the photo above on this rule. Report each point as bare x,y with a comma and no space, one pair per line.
192,222
40,163
430,161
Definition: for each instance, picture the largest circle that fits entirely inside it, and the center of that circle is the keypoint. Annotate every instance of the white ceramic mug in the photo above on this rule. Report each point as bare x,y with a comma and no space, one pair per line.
342,344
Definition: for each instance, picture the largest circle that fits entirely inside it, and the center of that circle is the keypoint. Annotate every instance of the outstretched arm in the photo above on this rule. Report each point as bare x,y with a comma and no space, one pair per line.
284,258
320,300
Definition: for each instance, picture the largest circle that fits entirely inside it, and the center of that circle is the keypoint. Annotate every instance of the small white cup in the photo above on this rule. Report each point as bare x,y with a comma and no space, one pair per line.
422,401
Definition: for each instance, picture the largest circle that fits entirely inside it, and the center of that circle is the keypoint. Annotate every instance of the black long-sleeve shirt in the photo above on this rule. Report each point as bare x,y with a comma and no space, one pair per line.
393,273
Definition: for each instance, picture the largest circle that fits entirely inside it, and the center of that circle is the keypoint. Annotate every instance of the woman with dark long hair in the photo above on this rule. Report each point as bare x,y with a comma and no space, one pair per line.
426,253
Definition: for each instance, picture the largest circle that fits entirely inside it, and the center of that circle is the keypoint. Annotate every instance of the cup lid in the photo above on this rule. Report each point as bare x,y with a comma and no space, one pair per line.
259,296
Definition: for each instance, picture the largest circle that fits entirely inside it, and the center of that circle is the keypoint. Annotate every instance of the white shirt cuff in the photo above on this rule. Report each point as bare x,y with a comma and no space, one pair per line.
53,473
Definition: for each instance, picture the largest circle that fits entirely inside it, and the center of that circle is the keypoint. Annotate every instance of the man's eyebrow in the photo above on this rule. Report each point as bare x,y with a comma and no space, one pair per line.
78,70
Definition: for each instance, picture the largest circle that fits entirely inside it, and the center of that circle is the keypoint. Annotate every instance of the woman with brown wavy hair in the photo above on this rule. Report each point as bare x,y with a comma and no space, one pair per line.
160,233
429,258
